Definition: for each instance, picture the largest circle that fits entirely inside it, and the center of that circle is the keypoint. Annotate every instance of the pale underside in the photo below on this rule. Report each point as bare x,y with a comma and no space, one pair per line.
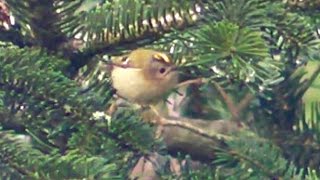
131,85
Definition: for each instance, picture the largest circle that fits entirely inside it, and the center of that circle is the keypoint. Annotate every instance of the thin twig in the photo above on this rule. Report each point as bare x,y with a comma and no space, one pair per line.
164,122
245,102
192,81
232,108
192,128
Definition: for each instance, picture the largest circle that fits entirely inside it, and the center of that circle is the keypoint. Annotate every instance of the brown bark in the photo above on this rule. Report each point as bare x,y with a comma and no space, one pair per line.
184,140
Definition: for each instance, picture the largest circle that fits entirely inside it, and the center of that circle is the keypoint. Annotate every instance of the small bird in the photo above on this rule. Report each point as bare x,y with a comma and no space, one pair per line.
144,76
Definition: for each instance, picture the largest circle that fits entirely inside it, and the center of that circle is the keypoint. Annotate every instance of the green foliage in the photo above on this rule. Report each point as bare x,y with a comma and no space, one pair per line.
1,99
79,165
250,157
53,96
226,47
13,157
243,13
126,124
55,108
20,160
94,78
311,103
292,36
246,46
45,30
111,22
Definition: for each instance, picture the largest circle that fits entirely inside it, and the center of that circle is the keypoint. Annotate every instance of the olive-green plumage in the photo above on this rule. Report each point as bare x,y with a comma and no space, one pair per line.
144,76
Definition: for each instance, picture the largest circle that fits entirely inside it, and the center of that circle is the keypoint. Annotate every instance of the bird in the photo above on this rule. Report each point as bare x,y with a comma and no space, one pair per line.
144,76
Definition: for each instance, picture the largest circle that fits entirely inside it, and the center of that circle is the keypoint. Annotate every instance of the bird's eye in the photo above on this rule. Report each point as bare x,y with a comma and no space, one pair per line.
162,70
125,60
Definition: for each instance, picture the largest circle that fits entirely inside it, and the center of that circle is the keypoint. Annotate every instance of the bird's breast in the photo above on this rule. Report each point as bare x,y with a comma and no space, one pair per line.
131,85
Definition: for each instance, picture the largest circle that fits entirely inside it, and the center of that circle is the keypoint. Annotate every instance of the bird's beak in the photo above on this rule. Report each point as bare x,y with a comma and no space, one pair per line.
174,68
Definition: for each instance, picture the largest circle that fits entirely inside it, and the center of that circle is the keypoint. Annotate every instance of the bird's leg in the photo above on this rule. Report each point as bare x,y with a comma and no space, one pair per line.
118,102
112,108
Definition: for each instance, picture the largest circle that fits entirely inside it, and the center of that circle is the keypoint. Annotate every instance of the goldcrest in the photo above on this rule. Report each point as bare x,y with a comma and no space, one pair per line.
144,76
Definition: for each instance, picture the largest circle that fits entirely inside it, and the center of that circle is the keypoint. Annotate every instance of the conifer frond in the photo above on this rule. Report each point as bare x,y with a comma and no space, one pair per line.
250,157
20,159
243,45
42,93
225,47
95,77
76,165
131,20
311,99
128,125
302,123
291,36
17,158
46,71
43,21
304,4
244,13
122,135
51,106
